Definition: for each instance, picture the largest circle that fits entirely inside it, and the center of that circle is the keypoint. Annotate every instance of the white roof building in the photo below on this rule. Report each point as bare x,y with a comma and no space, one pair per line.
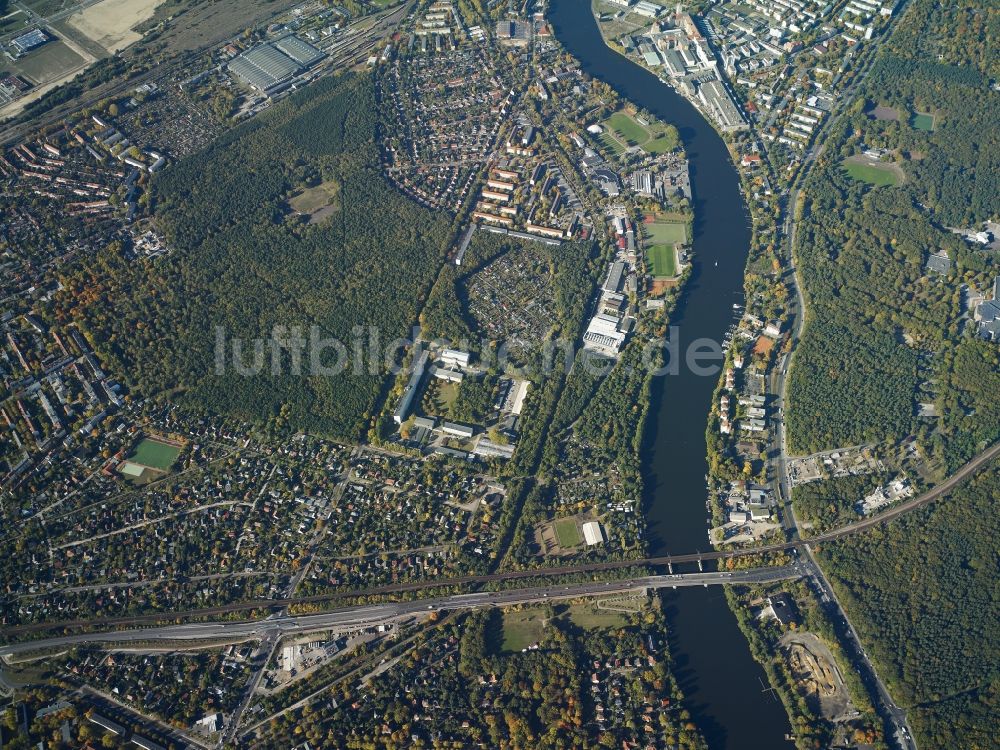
593,533
454,356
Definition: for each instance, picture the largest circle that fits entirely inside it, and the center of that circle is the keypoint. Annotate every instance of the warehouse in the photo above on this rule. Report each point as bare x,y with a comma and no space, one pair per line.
264,68
29,41
300,51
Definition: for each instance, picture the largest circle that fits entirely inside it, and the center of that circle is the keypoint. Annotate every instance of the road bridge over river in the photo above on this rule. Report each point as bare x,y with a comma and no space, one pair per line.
371,615
510,596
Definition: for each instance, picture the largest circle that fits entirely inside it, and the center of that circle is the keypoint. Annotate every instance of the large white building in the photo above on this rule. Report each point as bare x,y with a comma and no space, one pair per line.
593,533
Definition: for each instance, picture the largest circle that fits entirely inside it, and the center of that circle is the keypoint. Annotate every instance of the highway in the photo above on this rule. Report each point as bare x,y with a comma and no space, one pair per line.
973,466
271,628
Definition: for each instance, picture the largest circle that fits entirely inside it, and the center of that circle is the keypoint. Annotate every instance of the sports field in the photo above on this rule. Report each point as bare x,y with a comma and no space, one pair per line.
49,61
661,237
155,454
662,260
567,532
622,131
666,232
877,175
628,129
923,121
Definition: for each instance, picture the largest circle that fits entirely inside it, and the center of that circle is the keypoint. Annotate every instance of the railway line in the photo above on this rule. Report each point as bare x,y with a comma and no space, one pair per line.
271,605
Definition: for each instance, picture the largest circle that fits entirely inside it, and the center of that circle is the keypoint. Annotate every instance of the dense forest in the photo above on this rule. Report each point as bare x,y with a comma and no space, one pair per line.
880,328
243,262
924,595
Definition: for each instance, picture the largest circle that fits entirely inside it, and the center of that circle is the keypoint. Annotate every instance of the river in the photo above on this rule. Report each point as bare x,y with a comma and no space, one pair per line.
725,688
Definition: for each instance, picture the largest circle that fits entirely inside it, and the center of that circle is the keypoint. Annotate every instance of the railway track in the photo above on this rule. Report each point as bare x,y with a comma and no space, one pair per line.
968,470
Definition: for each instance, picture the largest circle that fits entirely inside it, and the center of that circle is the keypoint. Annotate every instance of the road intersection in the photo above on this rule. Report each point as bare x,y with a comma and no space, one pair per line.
271,628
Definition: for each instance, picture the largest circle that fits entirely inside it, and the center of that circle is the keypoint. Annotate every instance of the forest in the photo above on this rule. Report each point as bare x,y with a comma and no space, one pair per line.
880,328
922,592
243,263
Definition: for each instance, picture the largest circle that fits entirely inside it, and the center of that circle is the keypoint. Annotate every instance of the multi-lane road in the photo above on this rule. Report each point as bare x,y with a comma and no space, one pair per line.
973,466
271,628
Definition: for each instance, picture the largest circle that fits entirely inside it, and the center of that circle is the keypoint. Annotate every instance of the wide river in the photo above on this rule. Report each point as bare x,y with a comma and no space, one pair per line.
724,686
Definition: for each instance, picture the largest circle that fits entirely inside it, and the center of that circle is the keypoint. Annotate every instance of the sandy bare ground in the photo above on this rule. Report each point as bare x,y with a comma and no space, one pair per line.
816,672
110,22
17,106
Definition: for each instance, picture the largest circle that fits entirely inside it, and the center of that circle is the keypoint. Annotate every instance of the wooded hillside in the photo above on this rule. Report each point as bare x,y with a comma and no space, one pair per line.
243,261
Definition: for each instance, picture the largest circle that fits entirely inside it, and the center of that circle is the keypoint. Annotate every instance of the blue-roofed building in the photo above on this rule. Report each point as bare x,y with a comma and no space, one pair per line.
29,40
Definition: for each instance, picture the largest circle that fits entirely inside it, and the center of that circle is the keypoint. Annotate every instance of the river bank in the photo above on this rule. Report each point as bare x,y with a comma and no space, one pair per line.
725,687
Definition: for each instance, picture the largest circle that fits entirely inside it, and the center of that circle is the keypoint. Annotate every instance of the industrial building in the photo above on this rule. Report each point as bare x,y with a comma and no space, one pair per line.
714,96
488,449
270,67
513,31
29,41
456,429
455,358
300,51
613,281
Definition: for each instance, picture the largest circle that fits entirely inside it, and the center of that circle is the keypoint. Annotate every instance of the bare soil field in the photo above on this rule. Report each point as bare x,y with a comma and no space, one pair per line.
214,22
111,23
882,112
816,672
660,286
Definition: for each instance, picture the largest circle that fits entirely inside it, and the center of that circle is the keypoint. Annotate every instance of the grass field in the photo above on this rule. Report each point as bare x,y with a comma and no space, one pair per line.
662,260
314,200
661,144
439,397
522,629
589,617
666,233
48,7
874,174
11,22
922,121
623,130
49,62
154,454
567,532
